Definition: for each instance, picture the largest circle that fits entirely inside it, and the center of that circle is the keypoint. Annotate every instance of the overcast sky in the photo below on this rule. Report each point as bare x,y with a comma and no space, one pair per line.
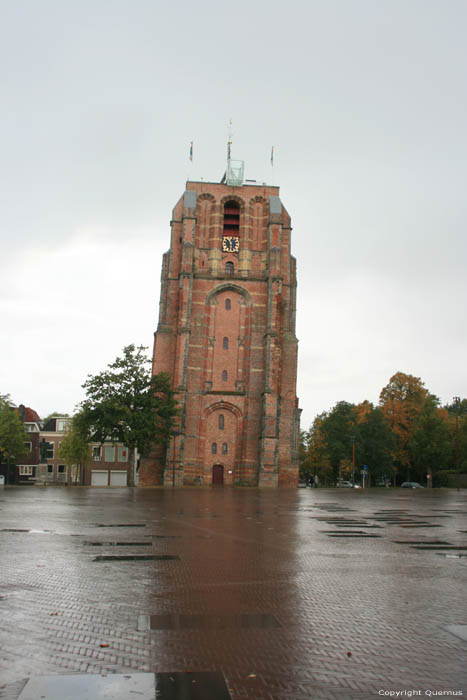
365,102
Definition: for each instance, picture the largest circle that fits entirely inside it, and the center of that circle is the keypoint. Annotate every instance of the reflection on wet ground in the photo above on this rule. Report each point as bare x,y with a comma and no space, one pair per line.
302,594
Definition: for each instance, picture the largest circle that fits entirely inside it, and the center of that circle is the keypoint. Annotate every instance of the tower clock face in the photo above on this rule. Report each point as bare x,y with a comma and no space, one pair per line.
230,244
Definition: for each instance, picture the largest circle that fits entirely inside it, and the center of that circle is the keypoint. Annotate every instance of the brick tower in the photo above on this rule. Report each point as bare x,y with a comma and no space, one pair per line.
226,336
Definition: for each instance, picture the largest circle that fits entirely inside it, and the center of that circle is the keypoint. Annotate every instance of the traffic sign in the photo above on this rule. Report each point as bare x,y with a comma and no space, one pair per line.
365,467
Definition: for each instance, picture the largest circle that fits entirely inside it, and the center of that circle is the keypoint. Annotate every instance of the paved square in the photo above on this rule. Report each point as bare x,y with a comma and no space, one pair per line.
357,616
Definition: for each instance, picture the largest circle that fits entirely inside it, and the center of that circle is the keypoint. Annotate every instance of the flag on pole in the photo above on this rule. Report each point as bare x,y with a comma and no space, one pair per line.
191,151
272,155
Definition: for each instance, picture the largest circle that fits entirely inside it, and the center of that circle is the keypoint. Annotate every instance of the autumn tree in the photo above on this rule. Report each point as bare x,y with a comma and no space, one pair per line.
318,463
402,400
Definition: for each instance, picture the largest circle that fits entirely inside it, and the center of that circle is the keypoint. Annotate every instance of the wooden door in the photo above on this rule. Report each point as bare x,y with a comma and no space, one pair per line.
217,475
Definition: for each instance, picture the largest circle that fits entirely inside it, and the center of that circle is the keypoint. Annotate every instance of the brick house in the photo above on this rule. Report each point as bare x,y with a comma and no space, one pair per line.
27,463
110,464
226,336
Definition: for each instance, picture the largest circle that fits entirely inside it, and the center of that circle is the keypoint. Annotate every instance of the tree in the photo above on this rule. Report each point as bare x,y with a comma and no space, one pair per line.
376,443
75,448
431,443
12,432
337,428
126,404
317,458
402,401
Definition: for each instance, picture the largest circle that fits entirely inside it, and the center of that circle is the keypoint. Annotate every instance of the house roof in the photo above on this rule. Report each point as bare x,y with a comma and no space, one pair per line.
27,415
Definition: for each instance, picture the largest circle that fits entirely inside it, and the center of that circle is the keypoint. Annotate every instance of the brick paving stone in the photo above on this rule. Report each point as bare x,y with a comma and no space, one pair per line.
242,552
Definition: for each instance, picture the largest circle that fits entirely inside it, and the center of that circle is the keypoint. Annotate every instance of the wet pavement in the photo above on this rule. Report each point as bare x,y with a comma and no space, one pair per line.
302,594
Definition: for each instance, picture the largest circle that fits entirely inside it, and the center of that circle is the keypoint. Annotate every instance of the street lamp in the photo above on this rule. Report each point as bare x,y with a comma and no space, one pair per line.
457,402
175,434
352,440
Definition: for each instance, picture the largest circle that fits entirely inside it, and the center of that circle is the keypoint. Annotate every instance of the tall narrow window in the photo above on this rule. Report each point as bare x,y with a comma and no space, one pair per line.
229,268
228,304
224,448
214,448
224,375
221,422
225,343
231,218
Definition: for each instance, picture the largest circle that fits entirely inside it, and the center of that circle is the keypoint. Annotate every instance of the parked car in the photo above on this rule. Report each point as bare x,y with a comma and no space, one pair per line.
411,485
347,485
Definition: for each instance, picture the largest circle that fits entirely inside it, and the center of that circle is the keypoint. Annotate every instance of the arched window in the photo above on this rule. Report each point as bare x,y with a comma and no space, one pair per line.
225,343
221,421
214,448
224,448
229,268
224,375
228,304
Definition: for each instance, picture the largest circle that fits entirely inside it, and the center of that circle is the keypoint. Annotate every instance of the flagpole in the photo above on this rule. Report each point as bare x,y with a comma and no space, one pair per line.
191,161
272,165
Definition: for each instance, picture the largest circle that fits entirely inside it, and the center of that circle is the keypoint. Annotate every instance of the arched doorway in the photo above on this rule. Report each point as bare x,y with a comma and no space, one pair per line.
217,475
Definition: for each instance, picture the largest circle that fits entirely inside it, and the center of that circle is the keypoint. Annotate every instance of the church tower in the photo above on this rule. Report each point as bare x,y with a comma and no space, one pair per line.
226,336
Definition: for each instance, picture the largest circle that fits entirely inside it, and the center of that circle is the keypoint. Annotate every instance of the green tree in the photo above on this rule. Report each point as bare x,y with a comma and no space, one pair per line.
75,448
376,444
338,426
12,432
126,404
431,442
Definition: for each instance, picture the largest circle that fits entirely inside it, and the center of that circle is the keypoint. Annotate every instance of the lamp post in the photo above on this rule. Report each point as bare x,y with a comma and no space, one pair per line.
457,402
352,439
175,433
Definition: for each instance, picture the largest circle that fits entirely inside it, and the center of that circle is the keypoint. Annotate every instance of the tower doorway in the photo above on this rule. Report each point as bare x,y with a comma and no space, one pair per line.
218,475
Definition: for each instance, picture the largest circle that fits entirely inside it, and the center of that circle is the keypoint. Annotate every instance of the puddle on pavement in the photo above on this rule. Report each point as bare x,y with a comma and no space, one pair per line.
138,557
118,544
412,525
344,532
208,622
450,547
145,686
120,525
363,535
412,542
33,532
451,556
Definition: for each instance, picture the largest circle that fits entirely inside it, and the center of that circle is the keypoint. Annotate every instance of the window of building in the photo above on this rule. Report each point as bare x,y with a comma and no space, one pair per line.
224,448
50,469
214,448
227,304
50,450
231,218
27,446
225,343
109,453
224,375
61,468
30,427
25,470
221,422
229,268
122,454
96,454
62,425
